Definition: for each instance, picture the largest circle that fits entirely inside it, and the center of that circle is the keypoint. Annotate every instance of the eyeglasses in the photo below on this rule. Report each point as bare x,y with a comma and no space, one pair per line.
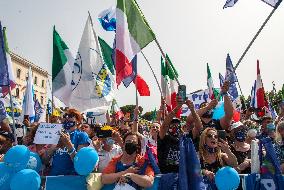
154,127
211,136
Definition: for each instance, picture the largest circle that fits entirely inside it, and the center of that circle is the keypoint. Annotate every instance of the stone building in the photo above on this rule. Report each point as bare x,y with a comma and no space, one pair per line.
40,79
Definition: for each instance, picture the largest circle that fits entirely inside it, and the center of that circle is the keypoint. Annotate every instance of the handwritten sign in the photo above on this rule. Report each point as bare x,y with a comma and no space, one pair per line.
48,133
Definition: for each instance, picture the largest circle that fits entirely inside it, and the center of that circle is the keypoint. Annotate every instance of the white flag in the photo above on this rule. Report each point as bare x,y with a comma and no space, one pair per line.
92,82
28,103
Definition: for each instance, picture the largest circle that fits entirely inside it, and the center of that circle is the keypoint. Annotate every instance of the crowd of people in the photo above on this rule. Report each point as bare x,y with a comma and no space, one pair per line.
122,147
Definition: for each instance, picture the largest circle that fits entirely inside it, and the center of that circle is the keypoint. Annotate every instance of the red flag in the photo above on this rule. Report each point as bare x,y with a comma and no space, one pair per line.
142,86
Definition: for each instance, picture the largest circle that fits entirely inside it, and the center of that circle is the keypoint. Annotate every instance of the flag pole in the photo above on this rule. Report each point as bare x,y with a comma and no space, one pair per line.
136,92
9,90
12,107
158,44
152,72
256,35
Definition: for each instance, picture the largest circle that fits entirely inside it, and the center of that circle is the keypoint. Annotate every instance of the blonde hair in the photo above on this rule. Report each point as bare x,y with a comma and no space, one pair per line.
278,135
202,150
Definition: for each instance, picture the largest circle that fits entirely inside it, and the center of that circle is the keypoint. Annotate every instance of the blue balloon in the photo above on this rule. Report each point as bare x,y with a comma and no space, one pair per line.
34,162
17,157
219,112
227,178
86,160
26,179
6,174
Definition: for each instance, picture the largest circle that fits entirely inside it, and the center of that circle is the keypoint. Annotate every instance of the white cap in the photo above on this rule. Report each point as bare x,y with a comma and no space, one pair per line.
236,125
252,133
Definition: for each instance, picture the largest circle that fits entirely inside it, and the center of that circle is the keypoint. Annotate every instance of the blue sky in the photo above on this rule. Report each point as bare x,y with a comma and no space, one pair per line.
192,32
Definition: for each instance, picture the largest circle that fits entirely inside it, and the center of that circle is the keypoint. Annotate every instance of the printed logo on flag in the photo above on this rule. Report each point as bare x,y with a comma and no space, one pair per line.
77,71
103,82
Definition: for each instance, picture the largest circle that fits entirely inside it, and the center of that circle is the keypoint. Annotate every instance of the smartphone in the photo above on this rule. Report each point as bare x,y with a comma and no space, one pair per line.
103,133
222,135
182,92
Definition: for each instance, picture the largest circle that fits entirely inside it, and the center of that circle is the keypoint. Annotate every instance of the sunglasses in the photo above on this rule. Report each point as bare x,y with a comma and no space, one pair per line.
211,136
65,116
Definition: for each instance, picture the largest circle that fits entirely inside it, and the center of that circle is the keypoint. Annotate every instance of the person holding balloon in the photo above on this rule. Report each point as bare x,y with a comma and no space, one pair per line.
71,141
214,153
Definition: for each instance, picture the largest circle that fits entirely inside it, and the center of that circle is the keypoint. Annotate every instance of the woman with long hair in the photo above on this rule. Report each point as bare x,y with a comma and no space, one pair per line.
214,153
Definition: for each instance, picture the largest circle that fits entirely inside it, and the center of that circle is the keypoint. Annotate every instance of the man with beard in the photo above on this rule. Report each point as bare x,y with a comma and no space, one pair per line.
168,138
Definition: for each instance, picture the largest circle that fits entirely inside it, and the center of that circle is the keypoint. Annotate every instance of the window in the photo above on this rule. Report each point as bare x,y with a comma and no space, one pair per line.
41,100
18,73
17,93
35,82
42,83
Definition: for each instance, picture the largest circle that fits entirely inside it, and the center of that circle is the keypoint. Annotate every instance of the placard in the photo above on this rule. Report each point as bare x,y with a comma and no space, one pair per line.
48,133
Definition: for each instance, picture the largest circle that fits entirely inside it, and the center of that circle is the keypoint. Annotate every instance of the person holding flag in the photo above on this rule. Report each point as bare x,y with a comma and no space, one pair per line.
206,112
169,136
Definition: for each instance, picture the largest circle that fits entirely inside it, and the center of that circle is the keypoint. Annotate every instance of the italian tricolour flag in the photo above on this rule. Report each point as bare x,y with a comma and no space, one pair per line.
259,90
168,83
213,93
5,89
132,34
62,63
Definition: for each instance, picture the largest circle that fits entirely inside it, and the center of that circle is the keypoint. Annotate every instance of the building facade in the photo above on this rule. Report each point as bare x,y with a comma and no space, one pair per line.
40,79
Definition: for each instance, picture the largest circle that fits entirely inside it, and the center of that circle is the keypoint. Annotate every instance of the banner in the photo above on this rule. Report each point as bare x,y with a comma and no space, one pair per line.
197,98
48,133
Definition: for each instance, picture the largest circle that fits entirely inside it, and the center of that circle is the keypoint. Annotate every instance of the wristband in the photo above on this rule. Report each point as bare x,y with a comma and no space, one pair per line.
224,94
71,151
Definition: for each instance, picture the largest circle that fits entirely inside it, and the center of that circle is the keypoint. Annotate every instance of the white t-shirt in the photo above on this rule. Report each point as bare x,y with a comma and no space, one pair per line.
105,157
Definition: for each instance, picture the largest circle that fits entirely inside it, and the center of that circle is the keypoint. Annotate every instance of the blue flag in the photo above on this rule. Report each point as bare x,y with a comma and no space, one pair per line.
273,3
231,76
4,78
190,177
222,80
267,179
38,111
253,96
230,3
107,19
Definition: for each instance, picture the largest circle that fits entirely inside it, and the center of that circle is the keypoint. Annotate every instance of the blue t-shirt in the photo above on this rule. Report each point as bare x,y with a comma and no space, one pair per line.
62,163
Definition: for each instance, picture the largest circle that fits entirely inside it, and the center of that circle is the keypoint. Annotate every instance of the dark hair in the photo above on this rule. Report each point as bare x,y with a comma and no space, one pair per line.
76,113
139,140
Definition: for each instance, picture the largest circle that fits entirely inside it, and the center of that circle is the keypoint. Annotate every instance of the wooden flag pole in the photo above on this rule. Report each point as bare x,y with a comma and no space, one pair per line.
152,72
256,35
166,60
158,44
